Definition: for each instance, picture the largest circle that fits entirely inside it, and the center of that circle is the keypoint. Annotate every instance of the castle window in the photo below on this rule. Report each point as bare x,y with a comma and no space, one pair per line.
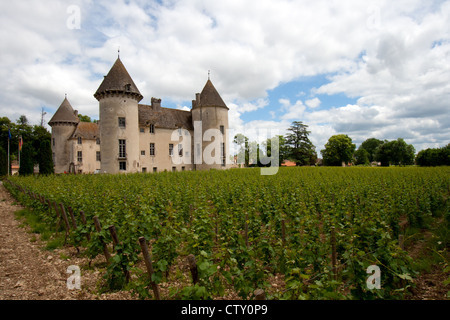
121,122
152,128
170,149
180,150
80,156
222,129
97,155
122,165
144,169
79,140
122,148
128,87
142,152
223,154
98,140
183,168
152,149
141,130
155,169
53,141
174,169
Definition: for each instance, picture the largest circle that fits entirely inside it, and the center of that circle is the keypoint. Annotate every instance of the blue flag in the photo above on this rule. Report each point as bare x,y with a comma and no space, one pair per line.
9,134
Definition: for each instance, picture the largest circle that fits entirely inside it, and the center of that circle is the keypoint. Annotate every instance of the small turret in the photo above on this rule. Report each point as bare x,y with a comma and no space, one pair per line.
209,111
64,115
209,97
63,123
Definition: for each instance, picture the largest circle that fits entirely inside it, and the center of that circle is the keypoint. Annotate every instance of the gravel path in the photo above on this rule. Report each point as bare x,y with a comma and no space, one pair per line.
29,272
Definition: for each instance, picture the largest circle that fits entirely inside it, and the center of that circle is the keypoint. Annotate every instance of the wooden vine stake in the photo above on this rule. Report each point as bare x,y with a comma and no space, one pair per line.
259,294
149,265
72,217
191,211
83,219
98,227
283,232
64,216
246,230
333,252
193,267
113,232
401,241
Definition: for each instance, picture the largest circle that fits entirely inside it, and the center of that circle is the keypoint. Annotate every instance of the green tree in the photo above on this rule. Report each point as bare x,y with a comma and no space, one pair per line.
3,162
361,156
22,121
383,154
338,150
434,157
5,124
396,152
84,118
244,151
38,134
371,145
45,158
301,150
26,160
282,149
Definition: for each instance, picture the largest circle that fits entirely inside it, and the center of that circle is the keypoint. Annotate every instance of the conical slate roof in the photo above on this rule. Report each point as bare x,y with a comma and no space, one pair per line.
210,97
118,80
64,114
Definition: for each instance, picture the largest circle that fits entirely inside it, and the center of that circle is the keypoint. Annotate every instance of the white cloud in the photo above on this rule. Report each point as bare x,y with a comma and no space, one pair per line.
184,108
313,103
292,111
394,57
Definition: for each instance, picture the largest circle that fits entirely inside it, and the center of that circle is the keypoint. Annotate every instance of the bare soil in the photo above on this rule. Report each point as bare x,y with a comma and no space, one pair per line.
29,272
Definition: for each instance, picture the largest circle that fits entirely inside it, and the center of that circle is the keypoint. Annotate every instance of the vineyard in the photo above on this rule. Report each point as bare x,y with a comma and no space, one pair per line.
317,229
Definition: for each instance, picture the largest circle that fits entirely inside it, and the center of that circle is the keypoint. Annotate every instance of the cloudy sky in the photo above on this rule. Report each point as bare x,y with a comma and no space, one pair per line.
362,68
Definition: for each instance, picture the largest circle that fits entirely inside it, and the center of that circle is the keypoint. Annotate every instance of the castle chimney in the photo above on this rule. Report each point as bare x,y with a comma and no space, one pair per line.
156,104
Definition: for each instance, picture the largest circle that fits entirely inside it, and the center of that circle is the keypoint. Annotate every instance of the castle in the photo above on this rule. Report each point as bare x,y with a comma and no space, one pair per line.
132,137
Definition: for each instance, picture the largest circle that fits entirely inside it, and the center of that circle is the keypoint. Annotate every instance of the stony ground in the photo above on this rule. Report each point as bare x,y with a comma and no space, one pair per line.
29,272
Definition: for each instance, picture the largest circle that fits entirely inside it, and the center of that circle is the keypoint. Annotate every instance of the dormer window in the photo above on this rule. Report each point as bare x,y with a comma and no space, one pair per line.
128,87
79,140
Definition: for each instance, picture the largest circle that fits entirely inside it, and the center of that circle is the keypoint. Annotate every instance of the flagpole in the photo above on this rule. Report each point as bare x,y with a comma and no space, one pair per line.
20,141
8,154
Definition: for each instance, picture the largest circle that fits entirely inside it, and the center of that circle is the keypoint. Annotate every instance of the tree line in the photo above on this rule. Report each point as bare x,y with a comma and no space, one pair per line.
294,146
36,147
339,150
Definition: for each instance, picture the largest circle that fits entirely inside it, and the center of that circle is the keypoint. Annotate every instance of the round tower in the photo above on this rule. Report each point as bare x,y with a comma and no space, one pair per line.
118,99
63,123
210,118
